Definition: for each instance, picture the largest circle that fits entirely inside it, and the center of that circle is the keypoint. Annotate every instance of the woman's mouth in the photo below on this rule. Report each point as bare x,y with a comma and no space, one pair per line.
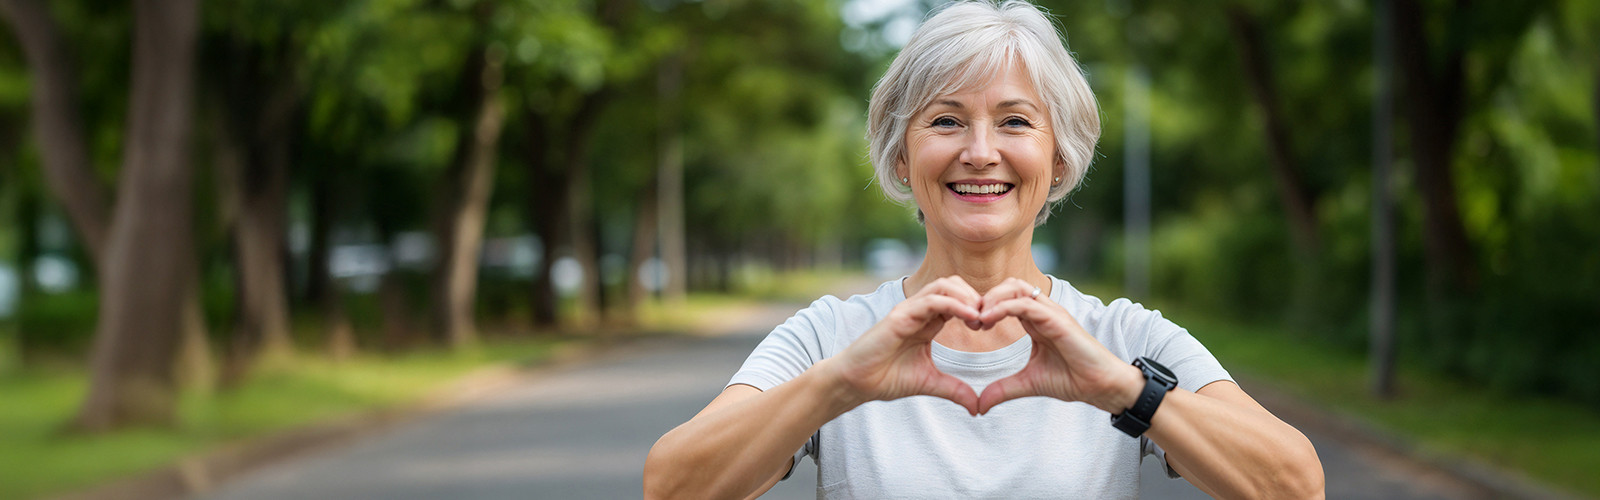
979,193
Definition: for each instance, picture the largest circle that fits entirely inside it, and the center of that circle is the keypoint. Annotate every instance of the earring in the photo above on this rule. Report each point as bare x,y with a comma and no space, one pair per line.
905,180
1058,180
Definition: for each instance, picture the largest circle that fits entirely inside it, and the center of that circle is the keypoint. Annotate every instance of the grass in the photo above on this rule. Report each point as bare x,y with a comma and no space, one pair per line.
38,459
1549,440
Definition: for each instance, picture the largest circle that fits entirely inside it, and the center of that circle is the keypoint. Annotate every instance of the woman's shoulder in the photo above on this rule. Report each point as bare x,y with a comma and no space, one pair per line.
830,314
1115,317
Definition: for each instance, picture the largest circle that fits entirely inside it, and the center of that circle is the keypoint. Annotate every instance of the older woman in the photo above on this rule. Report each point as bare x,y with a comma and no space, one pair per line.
983,121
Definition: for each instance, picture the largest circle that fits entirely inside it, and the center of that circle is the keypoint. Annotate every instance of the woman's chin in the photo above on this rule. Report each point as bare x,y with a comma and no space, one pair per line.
981,228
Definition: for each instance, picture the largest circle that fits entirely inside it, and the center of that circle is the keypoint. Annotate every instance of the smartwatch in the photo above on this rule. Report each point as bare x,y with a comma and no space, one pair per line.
1157,381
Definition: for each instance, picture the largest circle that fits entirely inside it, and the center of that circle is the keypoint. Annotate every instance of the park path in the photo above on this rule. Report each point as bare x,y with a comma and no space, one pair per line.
583,431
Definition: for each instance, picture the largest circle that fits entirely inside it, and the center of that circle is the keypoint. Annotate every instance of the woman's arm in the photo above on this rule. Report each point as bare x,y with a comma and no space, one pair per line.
1227,445
742,442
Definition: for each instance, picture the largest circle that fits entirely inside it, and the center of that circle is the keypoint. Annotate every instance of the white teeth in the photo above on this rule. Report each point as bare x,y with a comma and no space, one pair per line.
981,188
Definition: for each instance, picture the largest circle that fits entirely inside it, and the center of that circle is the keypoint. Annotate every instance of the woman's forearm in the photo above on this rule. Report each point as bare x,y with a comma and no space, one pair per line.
729,451
1235,449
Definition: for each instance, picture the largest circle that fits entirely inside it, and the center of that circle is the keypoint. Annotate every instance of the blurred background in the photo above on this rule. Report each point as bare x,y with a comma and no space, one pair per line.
1390,200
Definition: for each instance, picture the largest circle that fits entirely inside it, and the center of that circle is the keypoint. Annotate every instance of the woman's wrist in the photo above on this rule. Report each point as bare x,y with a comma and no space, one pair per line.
1127,383
837,393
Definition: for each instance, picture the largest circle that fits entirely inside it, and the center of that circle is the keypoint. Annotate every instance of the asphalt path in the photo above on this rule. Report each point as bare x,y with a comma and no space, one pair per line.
583,432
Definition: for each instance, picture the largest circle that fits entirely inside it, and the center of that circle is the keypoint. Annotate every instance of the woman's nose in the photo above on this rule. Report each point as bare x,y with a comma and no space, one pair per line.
980,152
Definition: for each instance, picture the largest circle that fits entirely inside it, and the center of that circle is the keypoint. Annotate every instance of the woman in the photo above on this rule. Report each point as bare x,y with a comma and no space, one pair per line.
983,121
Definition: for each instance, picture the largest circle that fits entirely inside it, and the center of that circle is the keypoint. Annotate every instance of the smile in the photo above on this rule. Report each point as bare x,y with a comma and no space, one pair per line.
979,192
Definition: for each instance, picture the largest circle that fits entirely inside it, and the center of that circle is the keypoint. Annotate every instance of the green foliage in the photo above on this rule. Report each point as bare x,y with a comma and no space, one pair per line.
56,324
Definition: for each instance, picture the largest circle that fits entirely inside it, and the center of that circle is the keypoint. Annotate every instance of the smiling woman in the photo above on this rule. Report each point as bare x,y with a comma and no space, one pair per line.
982,122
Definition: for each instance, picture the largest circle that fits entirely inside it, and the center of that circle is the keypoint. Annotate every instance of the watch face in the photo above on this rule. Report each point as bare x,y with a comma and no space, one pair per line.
1160,369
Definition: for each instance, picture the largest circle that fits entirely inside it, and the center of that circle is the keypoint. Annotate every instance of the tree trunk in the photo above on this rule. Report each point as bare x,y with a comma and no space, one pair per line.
319,282
580,215
1381,341
465,201
70,177
1298,202
321,290
547,210
252,163
1433,115
336,325
561,207
58,122
670,172
195,368
394,309
258,234
149,247
645,222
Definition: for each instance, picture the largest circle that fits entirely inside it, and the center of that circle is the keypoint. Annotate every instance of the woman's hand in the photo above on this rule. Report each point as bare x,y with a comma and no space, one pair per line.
894,359
1067,363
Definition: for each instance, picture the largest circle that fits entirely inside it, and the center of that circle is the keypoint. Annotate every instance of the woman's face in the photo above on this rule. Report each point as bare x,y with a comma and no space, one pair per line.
980,163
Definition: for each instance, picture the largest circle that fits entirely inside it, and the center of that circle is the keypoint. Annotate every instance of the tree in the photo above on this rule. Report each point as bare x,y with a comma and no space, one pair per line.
71,178
146,268
1298,200
255,92
464,194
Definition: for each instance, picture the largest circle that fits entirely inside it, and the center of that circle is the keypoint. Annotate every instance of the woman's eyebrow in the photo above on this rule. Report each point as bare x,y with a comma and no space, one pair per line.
1017,102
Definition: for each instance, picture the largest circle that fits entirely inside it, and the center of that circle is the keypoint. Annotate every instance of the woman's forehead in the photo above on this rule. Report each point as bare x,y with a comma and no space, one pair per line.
1011,87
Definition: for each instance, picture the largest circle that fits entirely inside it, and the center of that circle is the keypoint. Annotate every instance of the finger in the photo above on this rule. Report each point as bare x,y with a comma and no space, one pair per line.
954,287
1039,314
953,389
938,307
1003,390
1011,288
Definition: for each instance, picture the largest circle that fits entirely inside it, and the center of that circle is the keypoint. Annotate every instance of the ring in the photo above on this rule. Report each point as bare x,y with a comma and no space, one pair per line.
1034,294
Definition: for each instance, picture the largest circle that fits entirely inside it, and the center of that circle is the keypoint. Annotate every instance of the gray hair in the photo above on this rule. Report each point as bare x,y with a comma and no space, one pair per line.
964,45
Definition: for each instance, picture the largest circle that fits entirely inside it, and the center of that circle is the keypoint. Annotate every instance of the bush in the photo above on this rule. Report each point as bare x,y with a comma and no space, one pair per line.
59,324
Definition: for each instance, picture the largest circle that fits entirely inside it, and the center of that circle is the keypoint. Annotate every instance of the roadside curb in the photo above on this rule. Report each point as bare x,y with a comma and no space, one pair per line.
1468,477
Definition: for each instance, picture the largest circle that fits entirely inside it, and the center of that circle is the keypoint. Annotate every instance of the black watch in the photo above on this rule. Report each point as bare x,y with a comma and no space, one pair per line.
1157,381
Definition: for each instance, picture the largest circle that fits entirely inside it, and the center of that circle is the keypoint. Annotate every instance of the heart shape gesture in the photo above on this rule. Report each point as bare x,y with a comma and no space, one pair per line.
894,359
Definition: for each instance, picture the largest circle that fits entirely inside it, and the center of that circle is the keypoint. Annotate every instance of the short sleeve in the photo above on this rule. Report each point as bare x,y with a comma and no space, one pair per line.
789,350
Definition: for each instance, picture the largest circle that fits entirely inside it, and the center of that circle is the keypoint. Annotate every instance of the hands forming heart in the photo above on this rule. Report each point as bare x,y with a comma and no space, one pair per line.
894,359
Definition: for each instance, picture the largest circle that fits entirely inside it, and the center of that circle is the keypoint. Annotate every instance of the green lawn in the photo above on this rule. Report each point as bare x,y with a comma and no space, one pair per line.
37,459
1552,441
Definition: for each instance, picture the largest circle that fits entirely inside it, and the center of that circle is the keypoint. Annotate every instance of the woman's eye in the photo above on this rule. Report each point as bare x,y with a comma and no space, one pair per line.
1016,122
944,121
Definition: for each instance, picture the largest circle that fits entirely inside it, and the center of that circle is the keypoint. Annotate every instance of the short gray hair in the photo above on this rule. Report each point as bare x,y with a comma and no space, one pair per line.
963,45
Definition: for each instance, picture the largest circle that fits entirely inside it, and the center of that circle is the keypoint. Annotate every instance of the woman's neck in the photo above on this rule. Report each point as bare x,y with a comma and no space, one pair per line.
982,265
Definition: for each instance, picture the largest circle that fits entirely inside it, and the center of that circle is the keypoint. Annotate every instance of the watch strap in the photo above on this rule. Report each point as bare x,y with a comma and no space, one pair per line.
1136,419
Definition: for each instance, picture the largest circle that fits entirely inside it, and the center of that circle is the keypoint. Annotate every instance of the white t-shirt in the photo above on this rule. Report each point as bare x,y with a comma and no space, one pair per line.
928,447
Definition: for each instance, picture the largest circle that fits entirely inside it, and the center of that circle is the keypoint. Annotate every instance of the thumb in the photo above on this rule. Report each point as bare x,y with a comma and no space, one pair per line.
953,389
1003,390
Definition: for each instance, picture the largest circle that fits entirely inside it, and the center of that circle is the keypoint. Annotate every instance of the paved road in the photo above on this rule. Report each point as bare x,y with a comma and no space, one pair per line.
583,432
